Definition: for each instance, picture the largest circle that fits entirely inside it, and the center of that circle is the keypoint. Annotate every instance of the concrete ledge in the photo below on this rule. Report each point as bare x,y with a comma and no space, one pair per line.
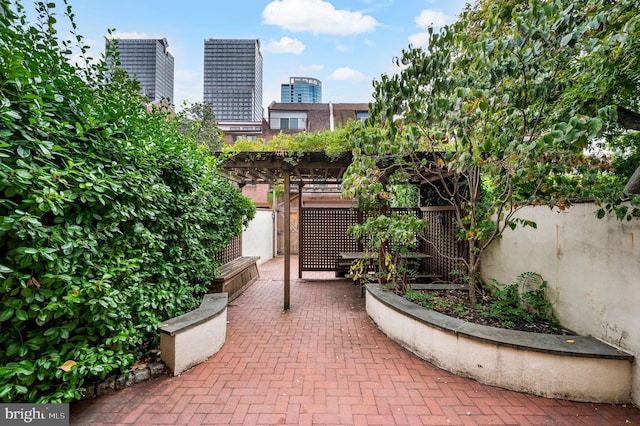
192,338
577,368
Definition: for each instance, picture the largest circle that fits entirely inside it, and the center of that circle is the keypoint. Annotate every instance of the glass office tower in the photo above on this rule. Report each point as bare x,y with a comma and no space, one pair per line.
149,62
233,78
301,90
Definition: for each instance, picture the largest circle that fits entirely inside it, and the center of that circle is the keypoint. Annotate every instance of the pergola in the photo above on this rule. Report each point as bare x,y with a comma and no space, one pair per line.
314,167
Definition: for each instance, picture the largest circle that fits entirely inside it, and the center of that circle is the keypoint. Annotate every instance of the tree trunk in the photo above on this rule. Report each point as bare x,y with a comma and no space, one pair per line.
633,186
473,269
382,252
474,194
382,265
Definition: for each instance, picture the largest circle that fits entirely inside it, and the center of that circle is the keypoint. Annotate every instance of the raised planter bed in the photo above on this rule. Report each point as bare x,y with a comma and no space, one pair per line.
577,368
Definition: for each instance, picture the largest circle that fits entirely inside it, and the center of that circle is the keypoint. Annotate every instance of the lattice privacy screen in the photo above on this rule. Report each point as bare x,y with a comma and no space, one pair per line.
230,252
324,233
441,242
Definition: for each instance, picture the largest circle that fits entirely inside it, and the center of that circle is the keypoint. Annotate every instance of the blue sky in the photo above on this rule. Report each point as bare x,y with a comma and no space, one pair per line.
345,44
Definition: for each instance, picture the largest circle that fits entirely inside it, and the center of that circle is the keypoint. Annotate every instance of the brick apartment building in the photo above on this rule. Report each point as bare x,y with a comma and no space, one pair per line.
292,118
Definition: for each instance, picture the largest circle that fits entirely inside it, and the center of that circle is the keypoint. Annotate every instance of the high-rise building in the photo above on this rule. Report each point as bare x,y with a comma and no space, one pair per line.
149,62
301,90
233,78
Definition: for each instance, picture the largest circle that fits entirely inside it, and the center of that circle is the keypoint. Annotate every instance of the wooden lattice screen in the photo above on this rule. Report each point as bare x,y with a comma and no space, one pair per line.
324,233
230,252
442,244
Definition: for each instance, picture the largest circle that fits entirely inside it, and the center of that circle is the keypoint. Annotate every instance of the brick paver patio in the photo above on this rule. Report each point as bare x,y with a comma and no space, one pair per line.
324,363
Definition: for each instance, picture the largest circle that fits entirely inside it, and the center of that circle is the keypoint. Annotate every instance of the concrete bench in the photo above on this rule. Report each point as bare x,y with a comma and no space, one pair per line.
235,276
190,339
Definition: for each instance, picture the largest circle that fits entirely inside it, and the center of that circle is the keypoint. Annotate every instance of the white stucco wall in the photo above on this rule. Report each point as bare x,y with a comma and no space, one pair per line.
592,267
257,239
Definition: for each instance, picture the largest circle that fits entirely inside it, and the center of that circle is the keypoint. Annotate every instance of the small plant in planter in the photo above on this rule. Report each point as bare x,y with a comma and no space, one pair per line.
520,301
521,305
388,239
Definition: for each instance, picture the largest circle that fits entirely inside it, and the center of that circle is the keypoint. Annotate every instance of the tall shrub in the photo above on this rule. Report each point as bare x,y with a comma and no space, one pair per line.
108,216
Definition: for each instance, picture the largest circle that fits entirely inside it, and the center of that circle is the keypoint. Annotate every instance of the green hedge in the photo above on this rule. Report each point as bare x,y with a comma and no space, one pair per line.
108,217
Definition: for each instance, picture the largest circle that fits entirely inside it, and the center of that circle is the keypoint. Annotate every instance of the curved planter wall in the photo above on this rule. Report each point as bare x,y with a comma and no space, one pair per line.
577,368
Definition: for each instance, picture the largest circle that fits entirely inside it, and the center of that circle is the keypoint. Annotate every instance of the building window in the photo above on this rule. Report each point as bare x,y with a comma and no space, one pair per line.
236,138
289,123
295,120
362,115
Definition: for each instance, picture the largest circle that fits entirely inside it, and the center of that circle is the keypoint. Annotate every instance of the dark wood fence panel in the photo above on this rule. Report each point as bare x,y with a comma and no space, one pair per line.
441,243
230,252
325,233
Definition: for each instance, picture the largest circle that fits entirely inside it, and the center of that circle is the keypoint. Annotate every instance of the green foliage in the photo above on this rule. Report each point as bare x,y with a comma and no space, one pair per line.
511,305
426,299
390,236
625,156
197,121
330,141
377,188
108,216
404,196
500,111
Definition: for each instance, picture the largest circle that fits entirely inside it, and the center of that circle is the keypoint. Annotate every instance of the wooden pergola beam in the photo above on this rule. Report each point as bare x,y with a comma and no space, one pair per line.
287,239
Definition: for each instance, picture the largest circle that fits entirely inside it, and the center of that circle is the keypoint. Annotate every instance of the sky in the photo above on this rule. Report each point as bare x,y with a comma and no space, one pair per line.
345,44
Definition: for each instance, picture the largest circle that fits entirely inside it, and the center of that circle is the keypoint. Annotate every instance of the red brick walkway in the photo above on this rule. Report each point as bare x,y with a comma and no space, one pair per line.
324,363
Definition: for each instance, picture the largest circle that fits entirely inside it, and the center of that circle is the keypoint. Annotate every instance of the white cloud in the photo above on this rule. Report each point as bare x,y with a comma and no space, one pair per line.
285,45
426,19
434,18
346,73
369,42
316,16
419,39
342,48
91,56
79,60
